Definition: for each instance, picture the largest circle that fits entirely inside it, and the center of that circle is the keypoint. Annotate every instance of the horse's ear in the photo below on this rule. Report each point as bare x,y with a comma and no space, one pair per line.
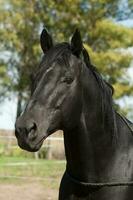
45,40
76,43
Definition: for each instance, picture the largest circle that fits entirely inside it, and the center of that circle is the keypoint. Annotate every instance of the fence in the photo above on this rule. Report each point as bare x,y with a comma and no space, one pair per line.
29,168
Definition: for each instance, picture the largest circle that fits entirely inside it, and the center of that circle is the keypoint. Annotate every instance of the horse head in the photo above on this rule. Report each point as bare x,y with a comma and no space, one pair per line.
55,95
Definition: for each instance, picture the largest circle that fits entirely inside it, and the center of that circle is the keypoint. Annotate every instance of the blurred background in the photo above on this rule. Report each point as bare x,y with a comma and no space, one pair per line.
106,27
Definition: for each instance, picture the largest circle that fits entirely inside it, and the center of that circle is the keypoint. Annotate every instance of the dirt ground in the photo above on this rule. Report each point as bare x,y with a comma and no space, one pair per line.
27,191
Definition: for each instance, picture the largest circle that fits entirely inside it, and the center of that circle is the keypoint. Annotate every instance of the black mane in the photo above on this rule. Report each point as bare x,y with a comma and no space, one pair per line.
106,97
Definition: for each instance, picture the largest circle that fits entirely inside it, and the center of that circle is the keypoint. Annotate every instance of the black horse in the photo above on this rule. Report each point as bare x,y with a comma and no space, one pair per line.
69,94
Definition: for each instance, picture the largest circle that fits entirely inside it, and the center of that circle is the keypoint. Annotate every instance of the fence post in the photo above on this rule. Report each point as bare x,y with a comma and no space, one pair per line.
36,154
49,150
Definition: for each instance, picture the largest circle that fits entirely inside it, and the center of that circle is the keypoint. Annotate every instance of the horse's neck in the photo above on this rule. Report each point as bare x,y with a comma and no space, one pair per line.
79,152
87,150
92,154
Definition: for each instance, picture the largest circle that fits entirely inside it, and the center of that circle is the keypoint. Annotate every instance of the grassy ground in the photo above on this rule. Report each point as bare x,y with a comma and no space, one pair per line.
20,170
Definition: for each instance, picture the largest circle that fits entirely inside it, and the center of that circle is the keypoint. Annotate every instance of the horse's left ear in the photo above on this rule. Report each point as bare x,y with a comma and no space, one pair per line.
45,40
76,43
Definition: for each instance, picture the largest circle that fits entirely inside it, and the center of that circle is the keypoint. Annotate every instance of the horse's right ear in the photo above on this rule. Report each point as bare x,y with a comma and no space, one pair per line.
76,43
45,40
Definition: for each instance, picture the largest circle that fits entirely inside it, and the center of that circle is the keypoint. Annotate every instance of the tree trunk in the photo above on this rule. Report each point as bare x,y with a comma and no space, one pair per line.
19,104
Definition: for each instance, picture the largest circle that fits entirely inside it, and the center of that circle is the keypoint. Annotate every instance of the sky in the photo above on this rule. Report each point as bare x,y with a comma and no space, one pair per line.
8,108
8,113
128,22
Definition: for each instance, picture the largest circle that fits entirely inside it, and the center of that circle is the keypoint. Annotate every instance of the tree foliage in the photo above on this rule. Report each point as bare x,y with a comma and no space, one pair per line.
22,21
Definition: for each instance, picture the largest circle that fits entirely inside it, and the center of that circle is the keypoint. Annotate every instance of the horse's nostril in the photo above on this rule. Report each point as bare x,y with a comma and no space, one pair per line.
32,127
32,131
23,130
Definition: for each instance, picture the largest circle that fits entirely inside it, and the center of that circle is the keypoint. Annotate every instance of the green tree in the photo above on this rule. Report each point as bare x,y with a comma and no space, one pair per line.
105,40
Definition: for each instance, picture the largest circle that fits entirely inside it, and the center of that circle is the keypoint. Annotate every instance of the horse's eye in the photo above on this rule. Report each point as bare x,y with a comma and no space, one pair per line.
67,79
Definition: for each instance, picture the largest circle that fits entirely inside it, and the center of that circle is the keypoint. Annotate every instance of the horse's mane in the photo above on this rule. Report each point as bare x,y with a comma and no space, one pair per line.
107,91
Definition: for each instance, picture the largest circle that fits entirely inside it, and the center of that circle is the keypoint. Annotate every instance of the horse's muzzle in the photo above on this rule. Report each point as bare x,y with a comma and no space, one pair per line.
27,135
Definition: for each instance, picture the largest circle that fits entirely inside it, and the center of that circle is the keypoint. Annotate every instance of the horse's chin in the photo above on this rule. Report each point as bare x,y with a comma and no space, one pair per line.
30,145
